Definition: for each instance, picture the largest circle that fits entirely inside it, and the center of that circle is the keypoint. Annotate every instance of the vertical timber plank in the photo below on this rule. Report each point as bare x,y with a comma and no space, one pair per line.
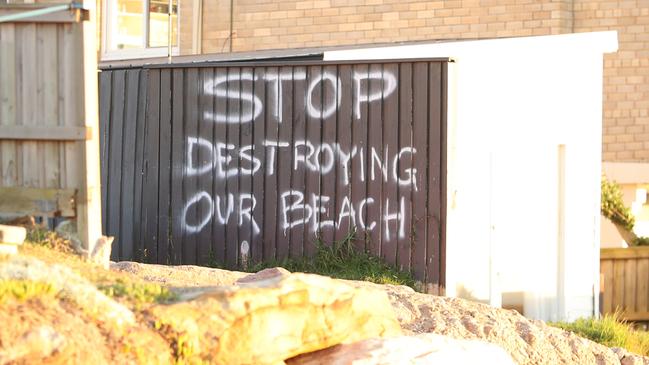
345,218
233,138
434,184
310,165
126,236
246,203
271,214
420,162
291,179
73,112
221,199
618,286
630,286
29,95
193,200
205,131
325,211
150,183
138,193
642,279
8,91
105,96
358,165
259,172
607,270
376,161
405,170
394,211
178,155
164,172
48,47
114,197
89,193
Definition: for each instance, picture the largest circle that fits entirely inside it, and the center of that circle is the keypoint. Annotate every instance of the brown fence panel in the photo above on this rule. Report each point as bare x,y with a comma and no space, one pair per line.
624,275
231,164
48,117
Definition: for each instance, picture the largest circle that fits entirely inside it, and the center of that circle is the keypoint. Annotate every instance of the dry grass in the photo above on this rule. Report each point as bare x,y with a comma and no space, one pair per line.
132,291
27,306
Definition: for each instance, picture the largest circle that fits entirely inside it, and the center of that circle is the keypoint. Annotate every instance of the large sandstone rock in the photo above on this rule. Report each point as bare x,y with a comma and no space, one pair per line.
415,350
271,319
527,341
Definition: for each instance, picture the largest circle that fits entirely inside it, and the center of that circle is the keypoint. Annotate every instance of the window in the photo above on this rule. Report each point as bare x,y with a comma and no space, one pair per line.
138,28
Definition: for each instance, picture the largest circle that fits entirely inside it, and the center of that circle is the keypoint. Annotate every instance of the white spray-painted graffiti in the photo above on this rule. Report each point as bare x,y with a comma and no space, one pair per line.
218,87
372,164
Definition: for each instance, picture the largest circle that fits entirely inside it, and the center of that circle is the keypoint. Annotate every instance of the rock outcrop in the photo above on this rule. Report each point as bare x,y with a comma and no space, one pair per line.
269,317
527,341
70,322
181,276
269,320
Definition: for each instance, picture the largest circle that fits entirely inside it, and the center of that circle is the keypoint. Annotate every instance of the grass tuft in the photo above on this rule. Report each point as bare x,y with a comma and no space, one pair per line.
40,236
610,331
24,290
342,260
139,293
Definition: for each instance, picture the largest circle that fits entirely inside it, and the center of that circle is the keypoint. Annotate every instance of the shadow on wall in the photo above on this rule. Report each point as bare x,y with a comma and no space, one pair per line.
464,293
510,300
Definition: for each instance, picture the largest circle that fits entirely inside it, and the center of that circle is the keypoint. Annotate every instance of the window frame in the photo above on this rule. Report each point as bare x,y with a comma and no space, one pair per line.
107,54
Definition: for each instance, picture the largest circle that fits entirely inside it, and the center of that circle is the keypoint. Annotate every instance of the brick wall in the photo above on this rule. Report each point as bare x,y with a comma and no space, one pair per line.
626,75
278,24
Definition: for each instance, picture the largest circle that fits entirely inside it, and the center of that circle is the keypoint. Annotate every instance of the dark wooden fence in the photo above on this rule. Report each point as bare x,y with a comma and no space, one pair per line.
236,163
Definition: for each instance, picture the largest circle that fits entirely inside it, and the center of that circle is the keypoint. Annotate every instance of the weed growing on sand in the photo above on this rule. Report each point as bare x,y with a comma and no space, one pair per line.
610,331
42,237
139,293
343,261
24,290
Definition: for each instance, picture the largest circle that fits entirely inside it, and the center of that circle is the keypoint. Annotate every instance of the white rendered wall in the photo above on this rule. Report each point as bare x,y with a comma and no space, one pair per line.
514,104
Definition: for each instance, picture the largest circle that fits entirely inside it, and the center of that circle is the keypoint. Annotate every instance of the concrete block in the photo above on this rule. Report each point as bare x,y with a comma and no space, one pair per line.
12,234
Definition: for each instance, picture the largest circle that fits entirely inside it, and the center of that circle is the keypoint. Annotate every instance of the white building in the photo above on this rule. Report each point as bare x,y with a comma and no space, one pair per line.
524,167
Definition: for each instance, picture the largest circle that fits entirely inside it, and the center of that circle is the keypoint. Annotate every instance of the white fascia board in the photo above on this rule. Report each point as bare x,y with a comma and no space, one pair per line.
550,45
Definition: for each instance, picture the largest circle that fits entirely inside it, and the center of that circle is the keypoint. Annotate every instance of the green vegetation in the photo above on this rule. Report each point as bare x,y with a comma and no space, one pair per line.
613,206
24,290
341,260
139,293
609,331
50,247
41,236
